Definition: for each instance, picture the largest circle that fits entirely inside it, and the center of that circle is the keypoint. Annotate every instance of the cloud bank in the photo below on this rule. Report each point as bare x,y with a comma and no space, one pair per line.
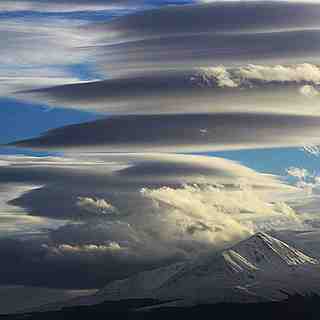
248,88
182,132
136,216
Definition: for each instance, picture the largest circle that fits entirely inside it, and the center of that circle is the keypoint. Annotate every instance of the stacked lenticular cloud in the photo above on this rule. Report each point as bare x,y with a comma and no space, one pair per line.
180,78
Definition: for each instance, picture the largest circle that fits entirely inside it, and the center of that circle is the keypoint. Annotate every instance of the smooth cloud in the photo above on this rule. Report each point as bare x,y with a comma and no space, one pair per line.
248,88
182,132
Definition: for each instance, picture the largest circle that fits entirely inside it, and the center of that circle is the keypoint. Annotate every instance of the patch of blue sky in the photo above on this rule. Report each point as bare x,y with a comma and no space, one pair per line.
83,71
90,16
11,151
20,120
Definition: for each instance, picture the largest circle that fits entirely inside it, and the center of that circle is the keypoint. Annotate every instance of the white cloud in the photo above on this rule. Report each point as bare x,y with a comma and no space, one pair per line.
246,75
97,206
69,6
207,77
91,249
312,149
280,73
299,173
309,91
214,215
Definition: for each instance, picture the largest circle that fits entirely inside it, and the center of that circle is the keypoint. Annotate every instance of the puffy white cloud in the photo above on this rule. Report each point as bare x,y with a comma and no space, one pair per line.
207,77
312,149
304,179
217,215
309,91
93,249
279,73
299,173
97,206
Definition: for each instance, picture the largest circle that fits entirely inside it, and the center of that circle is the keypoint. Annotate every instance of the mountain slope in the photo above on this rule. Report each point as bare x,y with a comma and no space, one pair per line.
257,269
254,267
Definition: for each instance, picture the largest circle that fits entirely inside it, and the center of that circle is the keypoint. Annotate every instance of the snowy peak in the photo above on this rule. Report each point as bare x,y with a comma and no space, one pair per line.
263,251
260,267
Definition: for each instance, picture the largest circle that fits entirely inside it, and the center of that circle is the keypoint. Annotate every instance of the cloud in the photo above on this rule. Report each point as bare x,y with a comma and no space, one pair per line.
169,208
96,206
70,6
36,51
194,36
221,17
66,249
296,73
309,91
248,88
205,35
182,132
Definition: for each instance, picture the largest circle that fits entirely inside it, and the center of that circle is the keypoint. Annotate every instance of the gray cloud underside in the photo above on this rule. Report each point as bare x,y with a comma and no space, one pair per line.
206,35
270,89
201,50
219,17
193,36
182,132
127,171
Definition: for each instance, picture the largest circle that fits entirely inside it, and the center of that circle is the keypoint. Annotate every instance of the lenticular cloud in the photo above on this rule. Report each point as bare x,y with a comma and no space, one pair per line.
176,79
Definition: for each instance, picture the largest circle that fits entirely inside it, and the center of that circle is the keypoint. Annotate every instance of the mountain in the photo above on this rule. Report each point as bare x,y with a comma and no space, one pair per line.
260,268
256,268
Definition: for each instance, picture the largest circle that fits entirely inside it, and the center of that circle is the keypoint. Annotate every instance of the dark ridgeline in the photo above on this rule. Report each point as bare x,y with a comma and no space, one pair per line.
294,307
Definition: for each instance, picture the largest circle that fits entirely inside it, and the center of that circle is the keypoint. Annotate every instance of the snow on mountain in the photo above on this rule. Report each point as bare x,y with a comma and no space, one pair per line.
263,250
255,263
258,268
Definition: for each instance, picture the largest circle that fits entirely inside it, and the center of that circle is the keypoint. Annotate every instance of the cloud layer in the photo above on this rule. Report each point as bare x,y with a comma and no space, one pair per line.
153,210
248,88
182,132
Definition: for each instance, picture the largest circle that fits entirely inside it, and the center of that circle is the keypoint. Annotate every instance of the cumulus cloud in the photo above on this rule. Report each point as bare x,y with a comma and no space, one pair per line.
309,91
304,179
84,249
97,206
296,73
168,208
213,76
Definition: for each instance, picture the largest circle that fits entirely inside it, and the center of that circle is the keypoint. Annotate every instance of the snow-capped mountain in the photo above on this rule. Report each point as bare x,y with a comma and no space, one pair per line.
256,269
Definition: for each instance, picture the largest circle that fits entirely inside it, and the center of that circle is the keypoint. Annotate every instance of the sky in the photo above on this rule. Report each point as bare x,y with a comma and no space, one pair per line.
135,134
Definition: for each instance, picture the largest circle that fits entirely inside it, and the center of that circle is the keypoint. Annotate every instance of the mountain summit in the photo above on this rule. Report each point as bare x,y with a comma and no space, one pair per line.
258,267
263,250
